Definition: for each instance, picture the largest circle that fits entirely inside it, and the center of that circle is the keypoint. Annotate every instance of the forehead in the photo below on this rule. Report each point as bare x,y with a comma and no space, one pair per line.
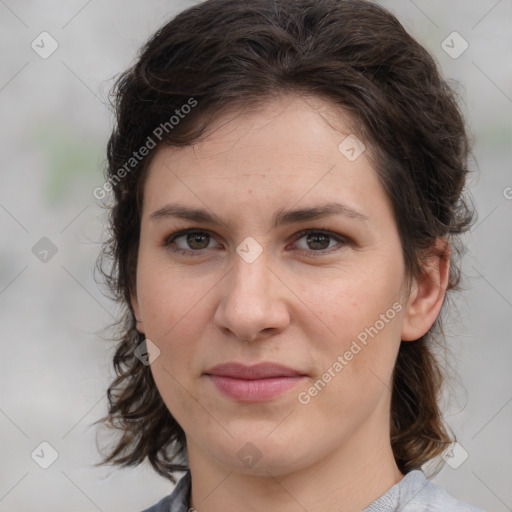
293,127
283,151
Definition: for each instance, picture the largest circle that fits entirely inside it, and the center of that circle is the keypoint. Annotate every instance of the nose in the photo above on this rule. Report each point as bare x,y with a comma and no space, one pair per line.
253,303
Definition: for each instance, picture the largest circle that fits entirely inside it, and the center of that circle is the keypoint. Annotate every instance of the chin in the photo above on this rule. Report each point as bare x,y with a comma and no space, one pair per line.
262,456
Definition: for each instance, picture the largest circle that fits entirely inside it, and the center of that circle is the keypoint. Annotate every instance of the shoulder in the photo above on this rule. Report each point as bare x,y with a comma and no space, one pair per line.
419,494
164,505
414,493
178,500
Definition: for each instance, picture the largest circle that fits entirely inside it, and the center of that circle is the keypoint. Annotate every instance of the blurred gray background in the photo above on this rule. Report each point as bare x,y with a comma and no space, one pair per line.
55,366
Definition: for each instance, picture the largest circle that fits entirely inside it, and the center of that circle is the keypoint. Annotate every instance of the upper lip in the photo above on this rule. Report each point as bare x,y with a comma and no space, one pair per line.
256,371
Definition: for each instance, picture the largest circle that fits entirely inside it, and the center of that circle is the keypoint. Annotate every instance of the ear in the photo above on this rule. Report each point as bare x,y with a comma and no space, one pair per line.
427,293
136,311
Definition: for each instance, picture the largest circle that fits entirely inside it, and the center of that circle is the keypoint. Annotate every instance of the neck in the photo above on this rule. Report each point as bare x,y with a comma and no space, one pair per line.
345,480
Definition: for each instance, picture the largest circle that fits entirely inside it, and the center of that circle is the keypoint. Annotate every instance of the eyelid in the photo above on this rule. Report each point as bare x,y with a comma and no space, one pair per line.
182,232
342,241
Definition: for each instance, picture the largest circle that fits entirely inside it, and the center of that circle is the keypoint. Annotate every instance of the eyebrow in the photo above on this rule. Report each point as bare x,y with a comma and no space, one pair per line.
281,217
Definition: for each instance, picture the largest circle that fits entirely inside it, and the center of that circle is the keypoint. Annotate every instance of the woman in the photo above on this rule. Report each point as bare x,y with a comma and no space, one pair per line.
288,179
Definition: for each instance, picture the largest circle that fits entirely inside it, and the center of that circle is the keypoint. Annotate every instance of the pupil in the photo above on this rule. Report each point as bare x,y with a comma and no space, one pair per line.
314,239
196,237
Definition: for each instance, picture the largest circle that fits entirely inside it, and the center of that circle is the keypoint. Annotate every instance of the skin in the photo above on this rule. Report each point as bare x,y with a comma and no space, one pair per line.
295,304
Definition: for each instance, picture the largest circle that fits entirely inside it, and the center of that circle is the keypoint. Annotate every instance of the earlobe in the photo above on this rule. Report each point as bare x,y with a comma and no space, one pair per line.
140,326
427,293
136,312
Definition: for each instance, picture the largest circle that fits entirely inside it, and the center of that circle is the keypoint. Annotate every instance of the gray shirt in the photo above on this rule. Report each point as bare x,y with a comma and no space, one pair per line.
414,493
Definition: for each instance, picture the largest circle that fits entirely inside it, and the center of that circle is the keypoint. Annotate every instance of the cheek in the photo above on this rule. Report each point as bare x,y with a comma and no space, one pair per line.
174,322
167,297
174,315
364,313
176,370
354,300
356,373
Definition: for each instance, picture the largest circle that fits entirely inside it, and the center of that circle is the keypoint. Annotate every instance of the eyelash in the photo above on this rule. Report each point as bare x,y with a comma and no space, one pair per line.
342,241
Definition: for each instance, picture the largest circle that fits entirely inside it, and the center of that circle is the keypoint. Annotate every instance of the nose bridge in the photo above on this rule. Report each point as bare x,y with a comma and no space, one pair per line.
249,303
250,274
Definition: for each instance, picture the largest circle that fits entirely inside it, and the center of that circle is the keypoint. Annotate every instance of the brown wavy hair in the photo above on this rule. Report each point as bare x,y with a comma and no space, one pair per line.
228,54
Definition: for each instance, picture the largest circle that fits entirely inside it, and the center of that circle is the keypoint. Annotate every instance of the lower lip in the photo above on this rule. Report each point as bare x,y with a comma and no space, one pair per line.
257,390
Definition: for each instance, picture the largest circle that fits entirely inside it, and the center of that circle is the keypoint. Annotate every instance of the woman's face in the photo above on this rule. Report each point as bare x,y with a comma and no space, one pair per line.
269,277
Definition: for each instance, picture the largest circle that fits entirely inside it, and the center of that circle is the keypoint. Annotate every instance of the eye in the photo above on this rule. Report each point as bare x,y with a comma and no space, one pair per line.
315,242
189,241
319,241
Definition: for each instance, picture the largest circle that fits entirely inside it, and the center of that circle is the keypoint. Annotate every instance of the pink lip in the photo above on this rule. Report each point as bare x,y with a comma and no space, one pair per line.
254,383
